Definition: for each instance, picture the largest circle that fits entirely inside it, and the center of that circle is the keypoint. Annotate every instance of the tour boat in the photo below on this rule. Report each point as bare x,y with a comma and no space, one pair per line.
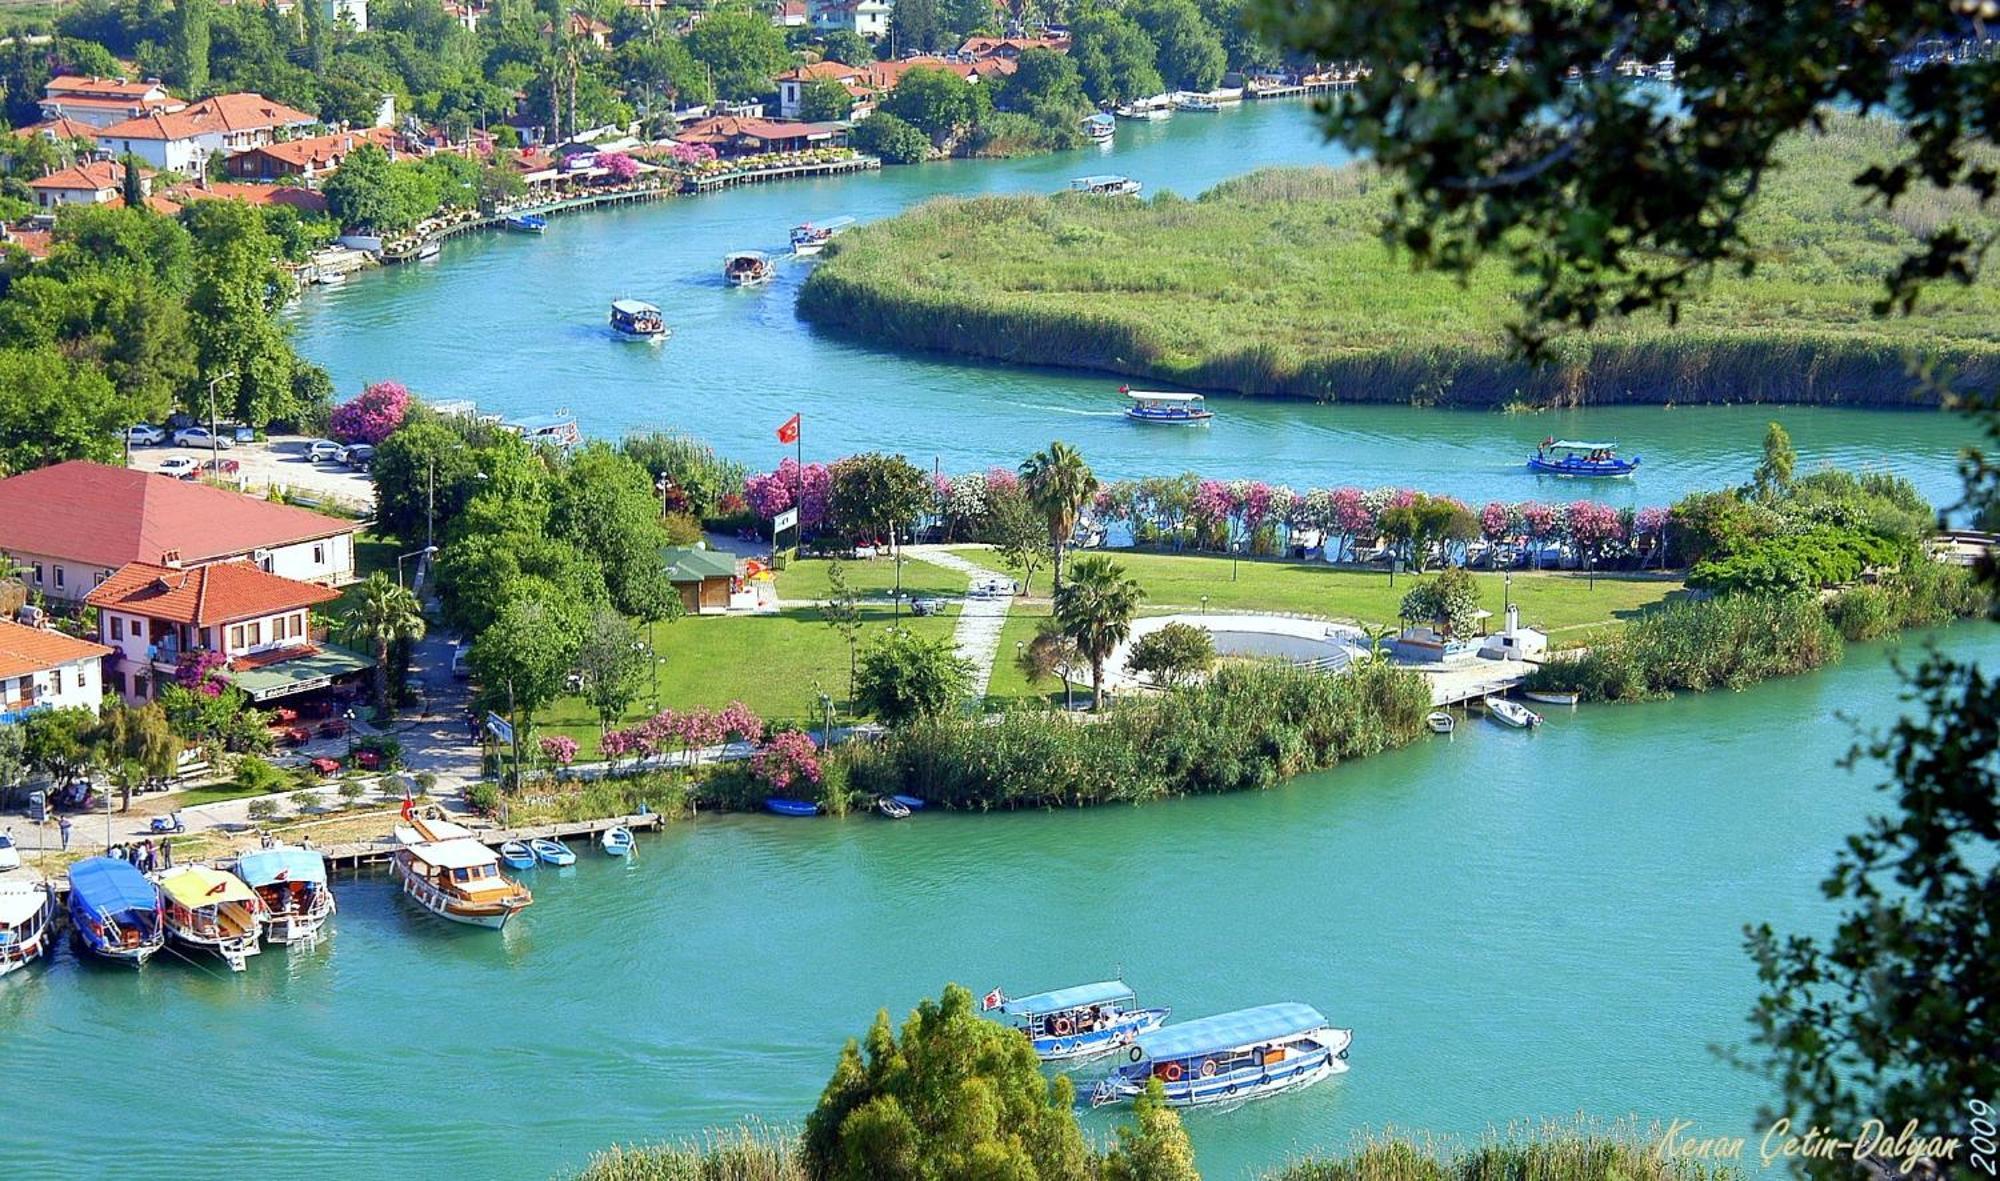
1100,127
115,911
552,851
1553,696
1175,409
445,871
1512,713
291,883
1561,457
1160,106
528,223
1079,1021
558,429
516,855
1231,1057
616,841
811,238
784,807
637,321
27,923
1195,104
1106,186
429,250
748,268
1440,722
212,910
890,808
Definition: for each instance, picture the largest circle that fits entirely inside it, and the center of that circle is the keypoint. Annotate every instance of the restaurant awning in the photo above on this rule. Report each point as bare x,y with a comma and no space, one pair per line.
312,668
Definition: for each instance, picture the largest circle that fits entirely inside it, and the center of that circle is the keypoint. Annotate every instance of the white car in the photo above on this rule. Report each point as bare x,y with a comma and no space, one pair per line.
180,467
145,434
200,436
321,449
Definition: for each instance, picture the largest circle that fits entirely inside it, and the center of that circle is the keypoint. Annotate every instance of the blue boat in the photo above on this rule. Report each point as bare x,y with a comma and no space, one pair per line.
1231,1057
1168,408
516,855
1564,457
291,883
528,223
115,911
552,851
1079,1021
911,802
616,841
784,807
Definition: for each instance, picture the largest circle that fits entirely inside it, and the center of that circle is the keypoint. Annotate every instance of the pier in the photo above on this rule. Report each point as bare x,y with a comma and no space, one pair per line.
413,248
753,176
357,854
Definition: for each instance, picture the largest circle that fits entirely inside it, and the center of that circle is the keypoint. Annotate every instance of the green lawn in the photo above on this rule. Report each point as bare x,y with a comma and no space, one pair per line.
806,578
1008,684
1553,600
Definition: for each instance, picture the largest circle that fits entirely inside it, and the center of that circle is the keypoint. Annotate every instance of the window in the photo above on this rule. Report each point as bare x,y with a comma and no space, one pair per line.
117,627
256,633
236,636
38,574
55,681
83,676
101,576
59,575
319,555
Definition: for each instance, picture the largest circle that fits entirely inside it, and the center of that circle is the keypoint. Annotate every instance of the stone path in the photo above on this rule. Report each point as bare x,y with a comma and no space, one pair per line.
979,618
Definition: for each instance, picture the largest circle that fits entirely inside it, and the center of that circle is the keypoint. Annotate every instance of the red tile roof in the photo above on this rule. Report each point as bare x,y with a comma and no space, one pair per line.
37,243
27,650
73,85
983,46
220,115
204,595
297,198
60,130
107,516
323,151
96,176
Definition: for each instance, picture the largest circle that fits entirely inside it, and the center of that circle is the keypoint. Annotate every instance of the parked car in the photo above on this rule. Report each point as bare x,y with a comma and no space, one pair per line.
359,456
461,665
145,434
927,606
225,467
323,449
180,467
200,436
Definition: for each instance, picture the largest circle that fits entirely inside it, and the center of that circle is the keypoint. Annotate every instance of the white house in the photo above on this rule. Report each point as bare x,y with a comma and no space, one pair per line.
183,140
101,102
41,668
94,182
869,18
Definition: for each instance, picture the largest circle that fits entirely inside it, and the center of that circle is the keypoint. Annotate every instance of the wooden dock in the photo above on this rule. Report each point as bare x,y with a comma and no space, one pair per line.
355,855
755,176
409,251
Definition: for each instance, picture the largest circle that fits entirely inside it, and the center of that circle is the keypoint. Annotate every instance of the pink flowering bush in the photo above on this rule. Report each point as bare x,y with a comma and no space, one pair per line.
1538,519
560,750
201,672
372,416
692,154
619,166
788,759
1496,520
790,486
739,723
1592,525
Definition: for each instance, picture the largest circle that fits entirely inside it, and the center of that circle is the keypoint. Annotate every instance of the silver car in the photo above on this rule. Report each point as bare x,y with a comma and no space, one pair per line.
320,450
144,434
200,436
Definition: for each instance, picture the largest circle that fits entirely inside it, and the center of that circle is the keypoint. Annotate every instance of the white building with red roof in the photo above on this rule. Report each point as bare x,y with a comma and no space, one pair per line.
41,668
71,525
93,182
182,140
101,102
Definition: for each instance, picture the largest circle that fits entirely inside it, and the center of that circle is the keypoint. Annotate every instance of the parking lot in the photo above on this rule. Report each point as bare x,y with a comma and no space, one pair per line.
279,461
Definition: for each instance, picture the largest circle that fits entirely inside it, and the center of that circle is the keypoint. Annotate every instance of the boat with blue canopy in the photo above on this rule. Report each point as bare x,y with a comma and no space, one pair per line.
115,911
637,320
291,883
527,223
810,238
1174,409
1079,1021
1231,1057
1566,457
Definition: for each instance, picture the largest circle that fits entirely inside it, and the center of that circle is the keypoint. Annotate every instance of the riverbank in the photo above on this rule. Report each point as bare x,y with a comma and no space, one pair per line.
1277,284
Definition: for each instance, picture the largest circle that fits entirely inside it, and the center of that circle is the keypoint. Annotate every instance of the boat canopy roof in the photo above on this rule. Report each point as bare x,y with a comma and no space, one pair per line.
286,863
198,886
1229,1031
1154,396
758,255
20,902
462,853
1058,1000
107,886
1569,445
1100,117
541,422
633,307
1109,178
831,223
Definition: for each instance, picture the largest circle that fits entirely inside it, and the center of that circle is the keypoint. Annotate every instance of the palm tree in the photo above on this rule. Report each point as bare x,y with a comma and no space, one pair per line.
385,614
1059,483
1094,609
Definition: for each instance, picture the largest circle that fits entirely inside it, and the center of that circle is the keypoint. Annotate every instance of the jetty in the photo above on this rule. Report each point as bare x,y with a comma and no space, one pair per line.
754,176
409,249
358,854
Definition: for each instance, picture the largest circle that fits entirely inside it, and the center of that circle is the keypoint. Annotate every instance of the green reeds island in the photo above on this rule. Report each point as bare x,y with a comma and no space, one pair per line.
1278,284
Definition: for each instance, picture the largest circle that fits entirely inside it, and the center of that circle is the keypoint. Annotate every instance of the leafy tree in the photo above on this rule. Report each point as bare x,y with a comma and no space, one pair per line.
938,102
950,1090
1095,609
1449,602
825,100
1058,483
959,19
233,314
188,53
480,573
914,25
1419,527
423,473
1116,58
57,742
1190,52
610,659
13,760
1046,85
381,613
605,506
893,139
1773,477
139,741
848,48
842,612
1020,533
361,192
132,186
742,48
1174,654
1049,655
663,66
522,657
1154,1146
904,676
52,410
871,494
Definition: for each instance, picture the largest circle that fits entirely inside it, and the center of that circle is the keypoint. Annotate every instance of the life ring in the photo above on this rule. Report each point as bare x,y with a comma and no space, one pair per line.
1136,1054
1208,1068
1062,1026
1171,1072
1264,1080
1230,1089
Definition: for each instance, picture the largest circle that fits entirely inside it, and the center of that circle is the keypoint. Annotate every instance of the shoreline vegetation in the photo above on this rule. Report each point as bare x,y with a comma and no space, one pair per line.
1277,284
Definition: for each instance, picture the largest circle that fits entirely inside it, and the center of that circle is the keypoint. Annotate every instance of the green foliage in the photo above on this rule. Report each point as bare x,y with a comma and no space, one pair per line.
848,48
1173,654
57,742
1710,524
870,494
894,140
1018,532
521,658
1773,476
916,26
1553,1156
904,676
381,613
1191,56
612,661
824,100
950,1090
1817,558
1154,1146
1116,58
740,1156
1449,602
604,504
1094,609
742,48
937,102
1058,483
1728,642
698,480
254,776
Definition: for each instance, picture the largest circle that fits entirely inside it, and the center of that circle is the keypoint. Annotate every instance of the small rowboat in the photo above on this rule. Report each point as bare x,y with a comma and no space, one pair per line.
1553,696
616,841
1440,722
891,808
784,807
1512,713
516,855
552,851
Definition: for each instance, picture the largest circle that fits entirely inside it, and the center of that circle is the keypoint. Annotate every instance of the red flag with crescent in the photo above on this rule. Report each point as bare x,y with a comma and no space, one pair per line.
789,433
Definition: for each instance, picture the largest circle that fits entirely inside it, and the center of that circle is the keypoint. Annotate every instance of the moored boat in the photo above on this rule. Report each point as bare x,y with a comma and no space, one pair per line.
558,429
748,268
444,870
428,250
212,910
1440,722
527,223
1512,713
27,924
517,855
1170,408
810,238
785,807
10,853
616,841
1106,185
1079,1021
1553,696
552,852
1196,104
115,910
291,884
1563,457
913,803
891,808
637,320
1231,1057
1101,126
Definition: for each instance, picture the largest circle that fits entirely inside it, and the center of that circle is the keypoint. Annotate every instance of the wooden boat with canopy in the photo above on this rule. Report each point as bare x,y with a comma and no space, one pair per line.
27,924
443,869
1231,1057
291,883
1079,1021
115,911
212,910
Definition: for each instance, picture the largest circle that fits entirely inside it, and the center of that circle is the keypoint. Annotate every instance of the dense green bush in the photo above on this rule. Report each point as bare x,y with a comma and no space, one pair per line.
1726,642
1547,1157
1821,557
895,140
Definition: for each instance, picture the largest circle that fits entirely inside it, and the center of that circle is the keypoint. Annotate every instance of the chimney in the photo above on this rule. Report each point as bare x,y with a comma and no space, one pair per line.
171,558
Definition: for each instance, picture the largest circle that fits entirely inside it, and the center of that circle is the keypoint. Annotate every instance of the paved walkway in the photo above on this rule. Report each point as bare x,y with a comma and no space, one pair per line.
980,617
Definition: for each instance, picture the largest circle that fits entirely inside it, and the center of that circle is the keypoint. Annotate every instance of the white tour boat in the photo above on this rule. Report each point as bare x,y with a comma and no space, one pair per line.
212,910
1232,1057
27,924
291,883
444,870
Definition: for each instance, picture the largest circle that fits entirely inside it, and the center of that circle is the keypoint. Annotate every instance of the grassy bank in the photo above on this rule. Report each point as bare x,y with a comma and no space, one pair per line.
1277,284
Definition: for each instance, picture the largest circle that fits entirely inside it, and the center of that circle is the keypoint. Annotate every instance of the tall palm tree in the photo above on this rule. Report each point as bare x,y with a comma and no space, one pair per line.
382,613
1059,483
1094,609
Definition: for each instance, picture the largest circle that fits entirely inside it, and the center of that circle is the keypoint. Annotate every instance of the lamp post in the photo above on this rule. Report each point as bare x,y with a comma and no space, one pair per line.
826,723
427,550
214,435
1204,604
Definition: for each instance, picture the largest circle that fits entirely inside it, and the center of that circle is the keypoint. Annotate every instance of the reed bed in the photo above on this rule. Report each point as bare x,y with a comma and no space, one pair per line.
1278,284
741,1155
1554,1154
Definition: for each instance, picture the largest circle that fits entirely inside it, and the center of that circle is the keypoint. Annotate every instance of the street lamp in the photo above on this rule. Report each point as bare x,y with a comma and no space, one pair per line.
1204,604
214,435
426,551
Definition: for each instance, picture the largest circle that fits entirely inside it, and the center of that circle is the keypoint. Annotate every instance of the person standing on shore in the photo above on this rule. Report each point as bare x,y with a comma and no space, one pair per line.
64,825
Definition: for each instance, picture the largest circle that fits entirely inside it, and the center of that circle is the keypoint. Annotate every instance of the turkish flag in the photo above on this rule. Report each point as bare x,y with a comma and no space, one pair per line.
789,433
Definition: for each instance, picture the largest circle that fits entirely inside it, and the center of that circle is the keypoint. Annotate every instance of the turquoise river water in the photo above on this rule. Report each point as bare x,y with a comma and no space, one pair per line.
517,324
1515,926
